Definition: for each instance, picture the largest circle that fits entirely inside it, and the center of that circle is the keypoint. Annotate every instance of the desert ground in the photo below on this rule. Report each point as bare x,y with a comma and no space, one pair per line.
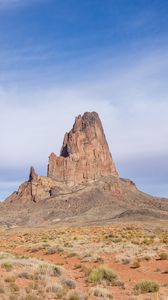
121,261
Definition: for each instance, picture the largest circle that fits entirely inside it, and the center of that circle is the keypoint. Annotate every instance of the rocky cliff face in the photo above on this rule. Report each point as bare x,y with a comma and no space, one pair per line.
84,157
35,189
82,184
85,154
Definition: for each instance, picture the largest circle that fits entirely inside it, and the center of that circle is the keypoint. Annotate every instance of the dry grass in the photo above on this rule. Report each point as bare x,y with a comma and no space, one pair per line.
97,275
84,254
144,287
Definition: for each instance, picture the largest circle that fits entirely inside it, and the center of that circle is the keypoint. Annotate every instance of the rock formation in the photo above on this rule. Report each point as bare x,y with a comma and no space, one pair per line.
33,175
85,154
82,185
84,157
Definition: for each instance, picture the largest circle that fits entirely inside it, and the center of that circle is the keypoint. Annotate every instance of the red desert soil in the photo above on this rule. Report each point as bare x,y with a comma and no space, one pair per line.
148,270
129,276
154,269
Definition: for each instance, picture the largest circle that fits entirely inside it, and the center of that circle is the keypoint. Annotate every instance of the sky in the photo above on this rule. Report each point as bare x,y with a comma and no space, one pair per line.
60,58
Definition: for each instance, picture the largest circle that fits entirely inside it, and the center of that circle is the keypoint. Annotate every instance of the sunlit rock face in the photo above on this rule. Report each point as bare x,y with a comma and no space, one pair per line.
85,154
84,157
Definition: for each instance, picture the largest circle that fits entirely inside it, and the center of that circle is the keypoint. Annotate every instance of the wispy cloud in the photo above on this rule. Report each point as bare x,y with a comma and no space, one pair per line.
132,102
56,62
38,104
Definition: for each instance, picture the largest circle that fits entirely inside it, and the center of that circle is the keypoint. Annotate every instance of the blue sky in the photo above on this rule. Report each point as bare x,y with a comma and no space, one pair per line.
60,58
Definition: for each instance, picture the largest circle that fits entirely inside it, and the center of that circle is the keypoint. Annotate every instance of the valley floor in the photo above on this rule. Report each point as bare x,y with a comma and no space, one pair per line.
126,261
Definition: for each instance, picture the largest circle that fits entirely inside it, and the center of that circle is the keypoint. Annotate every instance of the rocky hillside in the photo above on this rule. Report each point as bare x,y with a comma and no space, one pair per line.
82,185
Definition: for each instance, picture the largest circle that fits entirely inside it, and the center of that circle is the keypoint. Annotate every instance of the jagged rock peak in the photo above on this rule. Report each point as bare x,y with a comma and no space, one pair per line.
84,154
86,123
33,175
88,119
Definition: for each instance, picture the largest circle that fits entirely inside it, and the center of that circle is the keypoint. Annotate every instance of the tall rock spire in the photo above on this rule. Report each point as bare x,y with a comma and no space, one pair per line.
32,175
84,155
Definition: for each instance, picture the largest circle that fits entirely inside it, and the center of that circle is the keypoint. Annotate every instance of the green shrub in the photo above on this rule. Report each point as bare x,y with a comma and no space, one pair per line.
163,256
10,279
146,287
101,273
7,266
3,255
147,257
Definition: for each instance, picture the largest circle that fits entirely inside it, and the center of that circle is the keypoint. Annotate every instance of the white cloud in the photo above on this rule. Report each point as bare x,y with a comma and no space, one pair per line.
132,101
